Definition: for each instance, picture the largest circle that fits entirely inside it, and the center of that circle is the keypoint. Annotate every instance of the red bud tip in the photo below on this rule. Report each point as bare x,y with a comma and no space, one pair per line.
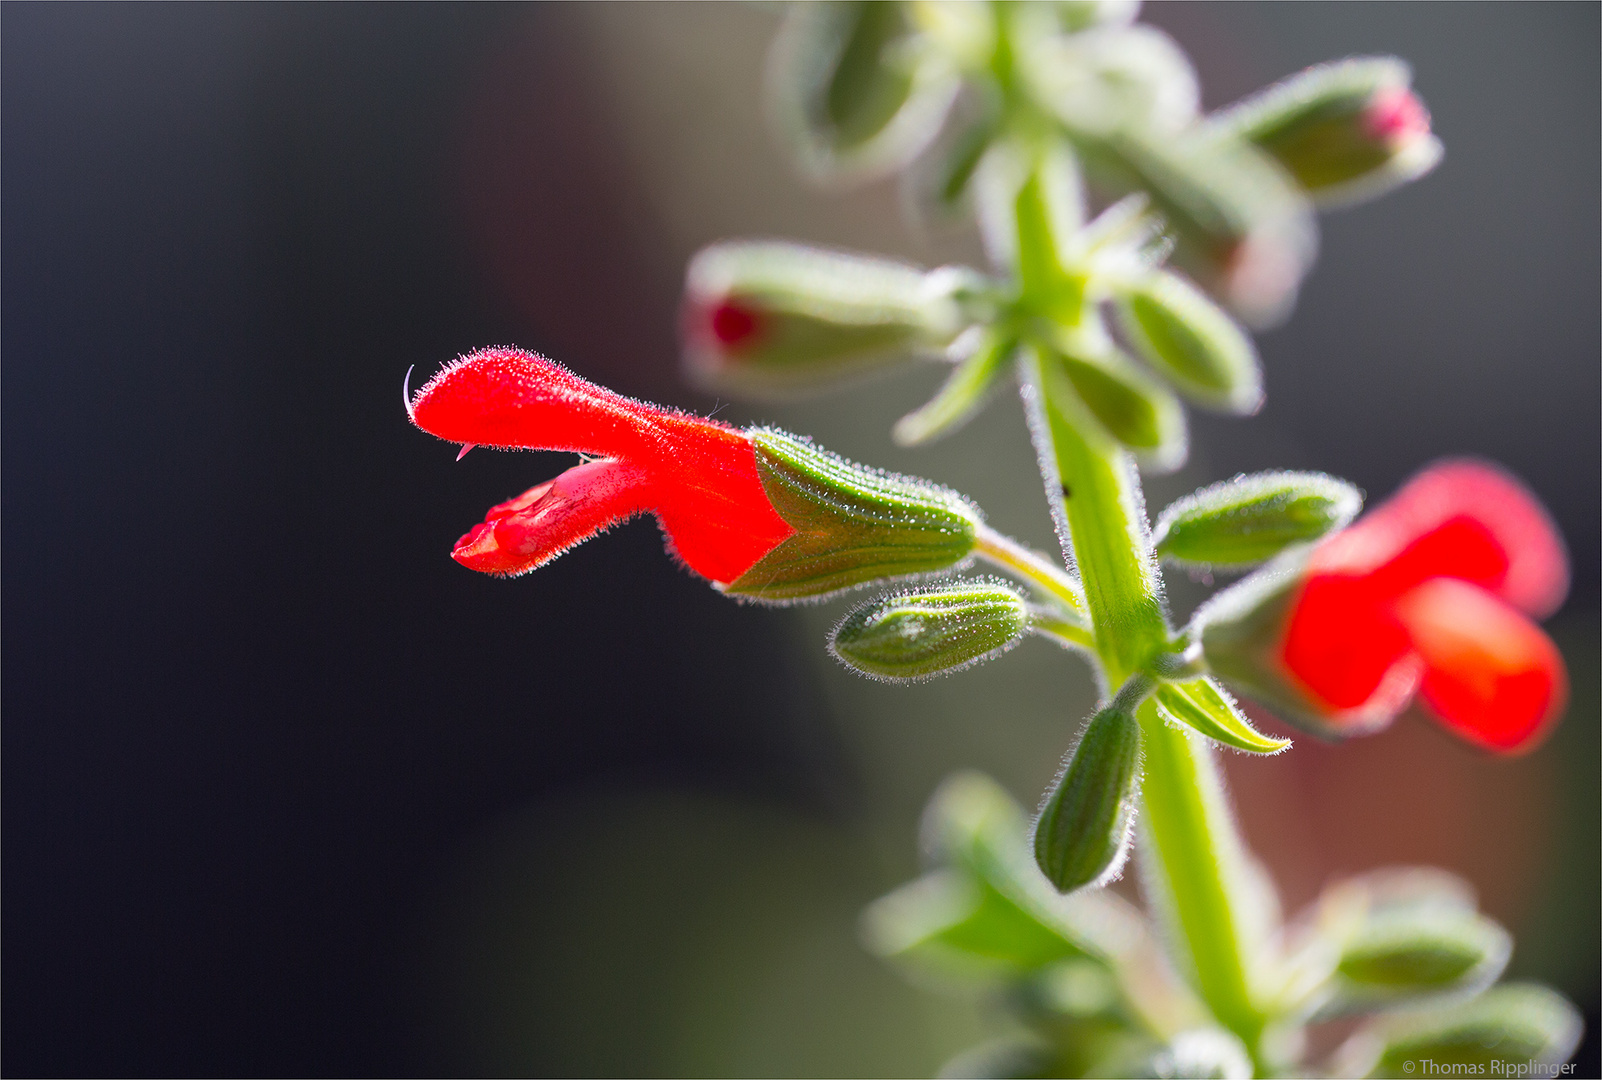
732,324
1396,117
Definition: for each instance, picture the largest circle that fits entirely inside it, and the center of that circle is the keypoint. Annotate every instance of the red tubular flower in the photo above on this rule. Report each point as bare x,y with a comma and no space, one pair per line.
1433,593
764,515
697,476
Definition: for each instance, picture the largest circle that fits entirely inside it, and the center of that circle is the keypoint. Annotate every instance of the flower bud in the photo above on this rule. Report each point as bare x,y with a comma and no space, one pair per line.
1082,836
931,631
1183,334
769,318
1520,1029
1076,15
1130,406
1113,78
1396,955
1241,522
1242,227
1347,131
853,524
855,90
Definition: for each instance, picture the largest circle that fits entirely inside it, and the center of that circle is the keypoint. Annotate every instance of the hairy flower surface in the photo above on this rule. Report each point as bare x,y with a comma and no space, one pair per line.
1444,577
1433,594
698,477
762,514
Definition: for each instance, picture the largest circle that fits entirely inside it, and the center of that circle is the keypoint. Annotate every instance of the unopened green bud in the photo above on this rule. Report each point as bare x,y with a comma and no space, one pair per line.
1243,229
853,524
855,89
1347,131
768,317
1188,338
1511,1030
1130,406
1397,955
1112,78
1082,837
1241,522
931,631
1077,15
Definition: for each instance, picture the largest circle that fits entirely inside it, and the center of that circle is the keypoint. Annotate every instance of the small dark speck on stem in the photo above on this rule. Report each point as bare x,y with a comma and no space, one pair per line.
1067,492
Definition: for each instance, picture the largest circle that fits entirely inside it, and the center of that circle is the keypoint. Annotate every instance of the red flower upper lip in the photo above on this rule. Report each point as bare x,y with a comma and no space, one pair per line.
698,477
1435,589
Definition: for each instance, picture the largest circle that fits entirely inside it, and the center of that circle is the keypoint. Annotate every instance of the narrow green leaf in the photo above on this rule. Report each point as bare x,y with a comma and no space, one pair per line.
1203,705
1409,954
961,396
1515,1026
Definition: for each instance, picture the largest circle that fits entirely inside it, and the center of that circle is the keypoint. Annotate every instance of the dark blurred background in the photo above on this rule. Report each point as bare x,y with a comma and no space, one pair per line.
288,791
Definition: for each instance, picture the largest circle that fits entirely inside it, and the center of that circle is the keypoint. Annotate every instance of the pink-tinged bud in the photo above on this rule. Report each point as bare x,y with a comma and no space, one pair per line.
766,318
1396,117
1347,131
1432,592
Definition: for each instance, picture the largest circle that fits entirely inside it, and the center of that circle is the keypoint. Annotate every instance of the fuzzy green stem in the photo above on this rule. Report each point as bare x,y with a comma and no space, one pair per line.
1007,554
1189,844
1194,854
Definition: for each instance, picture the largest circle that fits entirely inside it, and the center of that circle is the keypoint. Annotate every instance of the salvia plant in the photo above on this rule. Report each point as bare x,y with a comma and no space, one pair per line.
1020,114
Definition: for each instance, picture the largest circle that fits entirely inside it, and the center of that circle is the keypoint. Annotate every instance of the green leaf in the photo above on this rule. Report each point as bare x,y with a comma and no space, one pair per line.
1203,705
1516,1025
1181,332
961,396
958,925
853,524
931,631
1082,837
1402,954
1241,522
